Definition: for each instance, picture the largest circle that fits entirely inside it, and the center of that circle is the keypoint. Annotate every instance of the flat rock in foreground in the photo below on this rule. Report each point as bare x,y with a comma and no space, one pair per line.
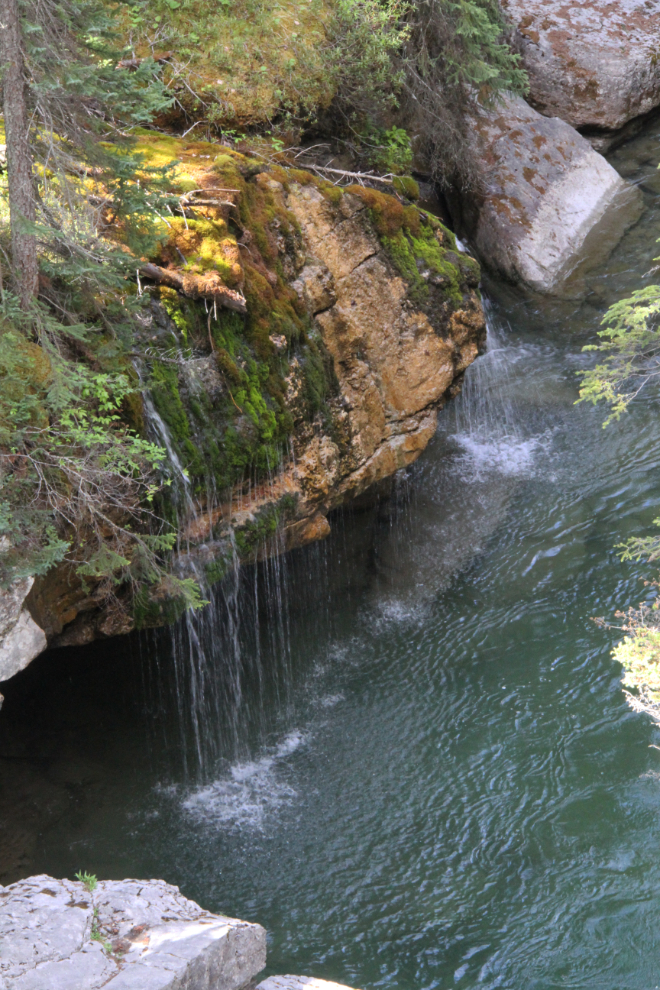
299,983
593,63
124,935
545,193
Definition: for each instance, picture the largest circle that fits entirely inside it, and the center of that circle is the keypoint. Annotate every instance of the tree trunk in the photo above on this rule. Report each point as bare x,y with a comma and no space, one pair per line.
19,159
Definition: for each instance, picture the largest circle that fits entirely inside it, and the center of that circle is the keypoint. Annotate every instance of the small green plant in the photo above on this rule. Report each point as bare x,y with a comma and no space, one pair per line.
97,935
88,880
395,153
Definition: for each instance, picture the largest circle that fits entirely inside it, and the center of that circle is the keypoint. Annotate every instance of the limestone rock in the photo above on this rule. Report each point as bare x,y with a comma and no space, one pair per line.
591,63
395,361
546,191
124,935
315,286
299,983
21,639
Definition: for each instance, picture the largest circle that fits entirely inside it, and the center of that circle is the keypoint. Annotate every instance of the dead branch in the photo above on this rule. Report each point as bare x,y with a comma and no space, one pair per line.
207,286
210,202
359,177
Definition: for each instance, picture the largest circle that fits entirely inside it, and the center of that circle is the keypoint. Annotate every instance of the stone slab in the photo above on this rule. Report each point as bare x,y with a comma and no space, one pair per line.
299,983
123,935
21,639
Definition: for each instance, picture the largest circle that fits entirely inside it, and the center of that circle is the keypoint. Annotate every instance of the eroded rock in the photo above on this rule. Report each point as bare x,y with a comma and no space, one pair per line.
545,190
57,935
21,639
593,63
396,361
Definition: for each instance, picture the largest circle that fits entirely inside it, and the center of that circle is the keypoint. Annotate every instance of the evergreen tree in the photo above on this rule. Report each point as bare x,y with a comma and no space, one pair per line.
19,159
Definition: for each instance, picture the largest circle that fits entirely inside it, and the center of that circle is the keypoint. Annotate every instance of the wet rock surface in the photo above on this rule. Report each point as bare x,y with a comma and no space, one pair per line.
546,190
59,935
361,318
590,63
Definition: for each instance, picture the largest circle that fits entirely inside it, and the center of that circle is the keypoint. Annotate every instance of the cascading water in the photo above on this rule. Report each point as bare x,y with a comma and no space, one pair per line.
213,666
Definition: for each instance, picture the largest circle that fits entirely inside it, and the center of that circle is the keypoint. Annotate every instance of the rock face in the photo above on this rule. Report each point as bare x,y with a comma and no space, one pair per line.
123,935
593,63
395,362
21,639
546,190
391,318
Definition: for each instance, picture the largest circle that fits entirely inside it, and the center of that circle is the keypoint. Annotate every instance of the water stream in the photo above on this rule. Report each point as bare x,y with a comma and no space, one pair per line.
435,780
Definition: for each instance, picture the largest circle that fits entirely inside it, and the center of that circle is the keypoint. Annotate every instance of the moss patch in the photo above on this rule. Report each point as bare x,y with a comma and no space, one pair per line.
421,248
255,535
246,60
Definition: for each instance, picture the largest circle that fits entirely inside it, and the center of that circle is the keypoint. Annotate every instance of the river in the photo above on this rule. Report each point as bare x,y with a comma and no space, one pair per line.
426,774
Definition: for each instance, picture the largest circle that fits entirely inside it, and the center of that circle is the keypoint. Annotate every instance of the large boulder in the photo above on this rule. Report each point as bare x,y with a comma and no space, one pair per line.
593,63
390,311
21,639
545,192
122,935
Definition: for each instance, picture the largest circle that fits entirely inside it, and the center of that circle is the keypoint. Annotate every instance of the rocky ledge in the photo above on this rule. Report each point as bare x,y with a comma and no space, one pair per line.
127,935
122,935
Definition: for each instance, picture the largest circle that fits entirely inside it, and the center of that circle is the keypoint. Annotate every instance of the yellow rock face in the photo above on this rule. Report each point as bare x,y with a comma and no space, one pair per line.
393,365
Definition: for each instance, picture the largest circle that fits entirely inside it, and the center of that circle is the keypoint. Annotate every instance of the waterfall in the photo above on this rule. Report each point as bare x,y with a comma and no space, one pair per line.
162,434
491,420
488,442
232,659
219,652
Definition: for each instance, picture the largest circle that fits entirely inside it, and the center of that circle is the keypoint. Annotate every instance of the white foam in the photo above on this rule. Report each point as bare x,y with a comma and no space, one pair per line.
509,456
249,792
396,611
331,700
291,743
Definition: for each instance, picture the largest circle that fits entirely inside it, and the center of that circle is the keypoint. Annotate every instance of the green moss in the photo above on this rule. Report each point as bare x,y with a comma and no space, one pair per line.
331,192
244,429
387,213
409,253
133,412
177,310
217,569
225,162
251,537
406,186
165,389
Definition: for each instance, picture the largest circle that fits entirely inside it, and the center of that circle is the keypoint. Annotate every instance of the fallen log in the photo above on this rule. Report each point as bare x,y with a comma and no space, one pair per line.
207,286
